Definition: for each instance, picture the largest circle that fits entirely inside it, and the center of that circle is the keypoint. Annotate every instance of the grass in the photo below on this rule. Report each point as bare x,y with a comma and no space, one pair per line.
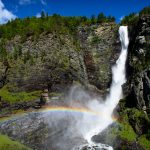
54,94
145,143
13,97
7,144
127,132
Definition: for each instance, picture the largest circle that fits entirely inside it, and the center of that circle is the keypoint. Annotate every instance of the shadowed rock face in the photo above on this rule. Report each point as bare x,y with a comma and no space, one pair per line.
55,60
139,64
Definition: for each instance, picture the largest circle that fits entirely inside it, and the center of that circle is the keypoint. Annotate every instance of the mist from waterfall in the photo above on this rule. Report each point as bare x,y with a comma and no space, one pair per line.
96,125
70,130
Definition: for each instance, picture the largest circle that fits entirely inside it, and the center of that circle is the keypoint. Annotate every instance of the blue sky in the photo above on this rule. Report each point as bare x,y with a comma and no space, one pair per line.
10,9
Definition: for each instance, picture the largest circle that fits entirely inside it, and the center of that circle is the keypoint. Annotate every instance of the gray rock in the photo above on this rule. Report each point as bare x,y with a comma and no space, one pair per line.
139,79
141,39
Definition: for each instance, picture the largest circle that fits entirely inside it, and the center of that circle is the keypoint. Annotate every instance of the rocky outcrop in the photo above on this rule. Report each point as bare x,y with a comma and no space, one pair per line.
7,108
101,47
93,147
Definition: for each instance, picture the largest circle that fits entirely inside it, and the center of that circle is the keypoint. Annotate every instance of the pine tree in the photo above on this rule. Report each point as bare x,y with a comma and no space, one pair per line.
101,18
42,14
93,19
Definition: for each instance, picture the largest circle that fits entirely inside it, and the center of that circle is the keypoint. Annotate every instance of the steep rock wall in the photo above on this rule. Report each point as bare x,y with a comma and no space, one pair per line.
56,60
139,65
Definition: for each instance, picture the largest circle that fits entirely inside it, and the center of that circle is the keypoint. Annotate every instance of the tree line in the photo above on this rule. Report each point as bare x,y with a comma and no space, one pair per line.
55,23
133,18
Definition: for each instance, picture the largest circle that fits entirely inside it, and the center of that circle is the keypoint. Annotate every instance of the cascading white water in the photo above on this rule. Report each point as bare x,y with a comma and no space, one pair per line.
116,93
118,72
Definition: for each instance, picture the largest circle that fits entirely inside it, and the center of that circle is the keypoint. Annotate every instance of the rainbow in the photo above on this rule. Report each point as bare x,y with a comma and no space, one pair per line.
74,110
78,110
61,109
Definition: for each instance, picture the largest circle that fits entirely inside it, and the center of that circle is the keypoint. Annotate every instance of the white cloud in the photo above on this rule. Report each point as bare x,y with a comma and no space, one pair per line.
24,2
5,14
38,15
43,2
27,2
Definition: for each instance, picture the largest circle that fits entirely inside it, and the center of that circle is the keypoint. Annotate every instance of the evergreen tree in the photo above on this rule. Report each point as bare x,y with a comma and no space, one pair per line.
145,11
42,14
101,18
93,19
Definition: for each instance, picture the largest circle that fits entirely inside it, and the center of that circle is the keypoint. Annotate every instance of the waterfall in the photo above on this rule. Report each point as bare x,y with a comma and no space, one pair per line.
118,73
116,93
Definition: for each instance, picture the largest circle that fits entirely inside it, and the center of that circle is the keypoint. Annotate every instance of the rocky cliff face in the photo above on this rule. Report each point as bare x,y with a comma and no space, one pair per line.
139,64
56,60
134,108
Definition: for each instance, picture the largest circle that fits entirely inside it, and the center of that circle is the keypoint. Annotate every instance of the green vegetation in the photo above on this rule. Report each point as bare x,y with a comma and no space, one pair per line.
144,142
145,11
102,18
126,132
134,125
136,114
13,97
7,144
95,39
59,24
54,94
130,19
133,18
3,52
